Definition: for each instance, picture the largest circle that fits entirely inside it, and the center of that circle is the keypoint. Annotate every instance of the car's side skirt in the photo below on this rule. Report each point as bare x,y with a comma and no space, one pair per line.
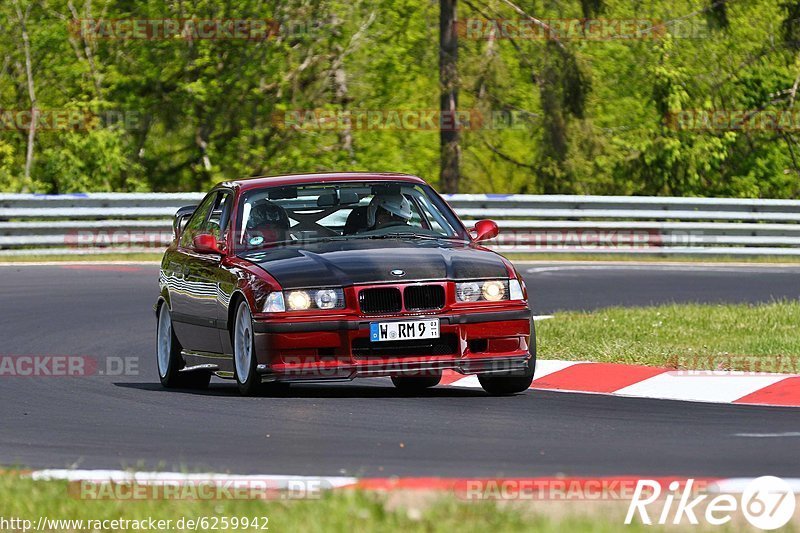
214,362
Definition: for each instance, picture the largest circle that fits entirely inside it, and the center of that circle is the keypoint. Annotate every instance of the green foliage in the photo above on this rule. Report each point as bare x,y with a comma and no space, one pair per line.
577,115
7,167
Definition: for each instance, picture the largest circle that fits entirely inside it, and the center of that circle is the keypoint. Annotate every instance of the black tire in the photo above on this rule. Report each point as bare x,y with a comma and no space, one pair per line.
516,381
415,383
169,360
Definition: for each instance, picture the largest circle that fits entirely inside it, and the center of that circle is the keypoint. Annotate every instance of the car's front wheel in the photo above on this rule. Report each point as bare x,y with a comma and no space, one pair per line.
415,383
169,358
244,360
515,381
244,356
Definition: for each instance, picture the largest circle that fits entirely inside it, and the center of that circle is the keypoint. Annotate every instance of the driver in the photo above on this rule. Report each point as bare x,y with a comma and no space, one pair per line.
267,223
386,210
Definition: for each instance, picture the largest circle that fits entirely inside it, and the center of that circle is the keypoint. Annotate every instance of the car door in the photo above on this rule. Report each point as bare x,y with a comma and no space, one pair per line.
194,300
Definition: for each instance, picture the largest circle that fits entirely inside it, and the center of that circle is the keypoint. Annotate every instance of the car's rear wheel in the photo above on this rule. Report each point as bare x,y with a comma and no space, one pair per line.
244,356
515,381
169,358
415,383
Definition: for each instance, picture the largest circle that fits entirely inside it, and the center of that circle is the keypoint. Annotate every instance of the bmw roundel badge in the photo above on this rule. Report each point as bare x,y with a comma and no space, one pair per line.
398,273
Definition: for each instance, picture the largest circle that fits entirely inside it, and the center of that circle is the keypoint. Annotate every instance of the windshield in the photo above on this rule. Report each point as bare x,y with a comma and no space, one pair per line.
299,214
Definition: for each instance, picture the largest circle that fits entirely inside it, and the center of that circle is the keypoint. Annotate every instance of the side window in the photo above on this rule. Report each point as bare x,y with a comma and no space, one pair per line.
220,213
437,223
197,222
416,217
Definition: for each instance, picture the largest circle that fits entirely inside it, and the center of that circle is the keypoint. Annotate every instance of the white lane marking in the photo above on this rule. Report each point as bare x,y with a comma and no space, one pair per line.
718,387
712,386
546,367
153,478
468,382
537,318
768,435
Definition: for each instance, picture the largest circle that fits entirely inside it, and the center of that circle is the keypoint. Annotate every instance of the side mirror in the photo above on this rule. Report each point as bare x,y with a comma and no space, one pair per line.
181,218
485,230
205,243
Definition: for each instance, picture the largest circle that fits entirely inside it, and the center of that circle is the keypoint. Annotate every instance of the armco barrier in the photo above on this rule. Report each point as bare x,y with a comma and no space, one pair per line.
140,222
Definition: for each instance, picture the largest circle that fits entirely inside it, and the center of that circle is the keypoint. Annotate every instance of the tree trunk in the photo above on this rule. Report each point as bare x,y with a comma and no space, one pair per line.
26,46
449,131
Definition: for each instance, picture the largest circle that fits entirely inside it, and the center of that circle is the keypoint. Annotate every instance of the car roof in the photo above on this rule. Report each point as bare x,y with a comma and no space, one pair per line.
258,182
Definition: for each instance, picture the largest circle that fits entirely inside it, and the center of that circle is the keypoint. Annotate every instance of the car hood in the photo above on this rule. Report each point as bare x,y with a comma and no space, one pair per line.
357,261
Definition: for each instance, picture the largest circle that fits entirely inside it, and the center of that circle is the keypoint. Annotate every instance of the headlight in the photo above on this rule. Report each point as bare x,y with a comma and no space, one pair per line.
326,299
468,292
275,303
493,290
298,300
302,300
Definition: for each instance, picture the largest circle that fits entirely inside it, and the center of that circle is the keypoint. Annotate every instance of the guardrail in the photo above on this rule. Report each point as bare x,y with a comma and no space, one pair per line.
141,222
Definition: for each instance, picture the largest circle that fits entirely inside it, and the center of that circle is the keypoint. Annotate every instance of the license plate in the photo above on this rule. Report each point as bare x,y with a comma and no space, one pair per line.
404,331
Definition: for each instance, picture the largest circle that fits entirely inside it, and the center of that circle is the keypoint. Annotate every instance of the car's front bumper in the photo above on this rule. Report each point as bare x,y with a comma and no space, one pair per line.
472,342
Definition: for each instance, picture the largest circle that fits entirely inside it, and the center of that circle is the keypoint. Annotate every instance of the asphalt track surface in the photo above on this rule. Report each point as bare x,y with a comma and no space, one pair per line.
366,428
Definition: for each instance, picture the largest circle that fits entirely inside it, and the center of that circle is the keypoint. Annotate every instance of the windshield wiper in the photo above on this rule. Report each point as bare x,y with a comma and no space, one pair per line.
409,234
332,238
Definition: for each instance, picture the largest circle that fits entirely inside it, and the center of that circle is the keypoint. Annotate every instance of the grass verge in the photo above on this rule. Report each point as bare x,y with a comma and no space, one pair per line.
336,511
763,338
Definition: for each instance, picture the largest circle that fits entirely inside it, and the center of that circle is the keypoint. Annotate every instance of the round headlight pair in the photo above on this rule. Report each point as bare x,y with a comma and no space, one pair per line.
322,298
473,291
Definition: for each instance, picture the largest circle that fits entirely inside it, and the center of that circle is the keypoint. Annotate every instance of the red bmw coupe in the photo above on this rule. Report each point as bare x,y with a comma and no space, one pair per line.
330,277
